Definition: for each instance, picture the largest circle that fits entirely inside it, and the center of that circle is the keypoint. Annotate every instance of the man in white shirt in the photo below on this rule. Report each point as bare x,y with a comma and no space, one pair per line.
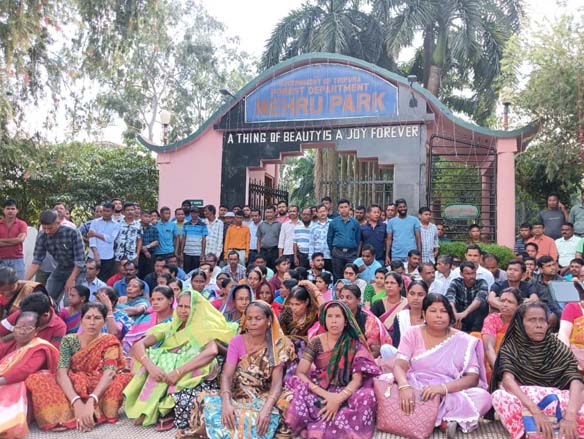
444,273
253,224
286,240
428,275
473,254
566,246
91,281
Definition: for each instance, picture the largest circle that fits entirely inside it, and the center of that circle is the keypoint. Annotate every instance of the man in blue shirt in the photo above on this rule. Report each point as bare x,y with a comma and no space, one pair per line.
403,234
167,235
344,236
373,233
367,264
102,236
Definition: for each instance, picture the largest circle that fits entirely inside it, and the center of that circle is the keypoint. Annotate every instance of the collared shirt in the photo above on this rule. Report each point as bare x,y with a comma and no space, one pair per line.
12,251
127,240
93,286
109,230
269,233
482,273
369,273
344,234
546,246
524,288
444,280
462,296
282,219
566,249
302,236
577,218
53,332
239,272
167,231
437,287
318,239
65,246
214,242
194,234
312,276
253,234
403,235
149,235
375,236
237,238
430,241
286,240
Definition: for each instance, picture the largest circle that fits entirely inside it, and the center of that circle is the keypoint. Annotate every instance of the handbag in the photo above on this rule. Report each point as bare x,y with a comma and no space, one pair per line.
390,417
529,424
13,405
246,415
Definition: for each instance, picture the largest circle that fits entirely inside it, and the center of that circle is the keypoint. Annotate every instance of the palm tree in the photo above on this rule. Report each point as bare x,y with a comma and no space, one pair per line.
337,26
463,43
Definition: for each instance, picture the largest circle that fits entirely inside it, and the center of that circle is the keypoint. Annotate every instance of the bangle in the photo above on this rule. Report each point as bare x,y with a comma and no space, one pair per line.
142,357
178,372
110,316
405,386
75,399
445,388
347,392
226,391
95,398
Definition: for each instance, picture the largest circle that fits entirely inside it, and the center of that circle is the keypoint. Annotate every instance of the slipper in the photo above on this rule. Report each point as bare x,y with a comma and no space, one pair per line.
165,424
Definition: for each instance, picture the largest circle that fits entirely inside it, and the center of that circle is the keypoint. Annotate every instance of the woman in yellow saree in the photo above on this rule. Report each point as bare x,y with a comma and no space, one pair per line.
173,357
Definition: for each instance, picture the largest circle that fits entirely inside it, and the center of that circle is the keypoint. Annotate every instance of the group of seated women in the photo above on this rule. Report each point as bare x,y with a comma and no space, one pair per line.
255,362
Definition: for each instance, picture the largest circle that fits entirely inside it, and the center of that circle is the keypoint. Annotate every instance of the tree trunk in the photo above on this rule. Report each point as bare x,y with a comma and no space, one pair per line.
318,174
438,60
435,80
428,51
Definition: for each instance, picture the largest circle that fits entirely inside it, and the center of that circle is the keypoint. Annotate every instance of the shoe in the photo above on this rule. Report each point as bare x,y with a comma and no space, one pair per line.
451,430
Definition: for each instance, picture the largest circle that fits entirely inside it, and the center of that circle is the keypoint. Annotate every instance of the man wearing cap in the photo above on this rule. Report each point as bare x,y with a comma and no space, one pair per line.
237,237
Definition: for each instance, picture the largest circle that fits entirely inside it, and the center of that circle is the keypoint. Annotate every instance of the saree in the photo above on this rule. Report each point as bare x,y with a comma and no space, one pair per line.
252,378
458,355
178,345
229,310
388,316
139,329
85,366
332,371
494,327
71,320
13,400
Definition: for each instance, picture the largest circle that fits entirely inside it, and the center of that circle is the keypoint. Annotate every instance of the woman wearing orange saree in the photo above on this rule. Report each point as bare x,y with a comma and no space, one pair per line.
496,324
87,389
572,327
24,355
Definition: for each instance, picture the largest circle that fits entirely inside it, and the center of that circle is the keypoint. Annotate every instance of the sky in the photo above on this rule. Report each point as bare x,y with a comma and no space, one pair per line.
254,20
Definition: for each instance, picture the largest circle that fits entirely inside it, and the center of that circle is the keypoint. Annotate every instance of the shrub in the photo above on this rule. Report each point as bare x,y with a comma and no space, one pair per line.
457,248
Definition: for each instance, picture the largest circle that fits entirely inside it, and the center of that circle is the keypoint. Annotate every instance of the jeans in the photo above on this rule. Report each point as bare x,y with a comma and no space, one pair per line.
340,259
107,268
56,282
17,264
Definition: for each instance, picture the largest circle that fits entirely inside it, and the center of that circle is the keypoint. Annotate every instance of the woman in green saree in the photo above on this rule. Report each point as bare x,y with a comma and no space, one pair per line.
173,357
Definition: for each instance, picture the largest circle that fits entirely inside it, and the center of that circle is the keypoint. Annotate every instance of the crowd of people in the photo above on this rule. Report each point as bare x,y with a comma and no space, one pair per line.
277,323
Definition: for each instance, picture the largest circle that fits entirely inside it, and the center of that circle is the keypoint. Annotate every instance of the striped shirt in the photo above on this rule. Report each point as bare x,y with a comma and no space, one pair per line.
302,236
194,234
214,243
318,243
430,241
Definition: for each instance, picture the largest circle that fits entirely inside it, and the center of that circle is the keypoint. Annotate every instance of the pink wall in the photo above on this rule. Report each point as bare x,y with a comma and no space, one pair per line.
506,149
192,172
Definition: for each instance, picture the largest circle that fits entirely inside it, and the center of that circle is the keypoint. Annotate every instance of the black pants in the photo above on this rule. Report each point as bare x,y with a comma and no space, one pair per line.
474,321
145,265
340,259
191,262
303,260
107,268
270,254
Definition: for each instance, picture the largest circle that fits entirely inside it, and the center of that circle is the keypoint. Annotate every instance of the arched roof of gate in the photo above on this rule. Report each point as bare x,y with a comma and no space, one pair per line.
447,128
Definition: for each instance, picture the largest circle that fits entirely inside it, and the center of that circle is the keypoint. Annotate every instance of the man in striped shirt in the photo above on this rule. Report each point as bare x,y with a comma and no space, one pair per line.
194,242
302,235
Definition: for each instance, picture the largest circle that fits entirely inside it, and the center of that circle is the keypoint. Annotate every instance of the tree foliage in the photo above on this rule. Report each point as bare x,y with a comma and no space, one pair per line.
297,175
81,175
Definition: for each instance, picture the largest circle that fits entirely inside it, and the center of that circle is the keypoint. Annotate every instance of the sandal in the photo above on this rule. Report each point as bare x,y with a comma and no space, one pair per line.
165,424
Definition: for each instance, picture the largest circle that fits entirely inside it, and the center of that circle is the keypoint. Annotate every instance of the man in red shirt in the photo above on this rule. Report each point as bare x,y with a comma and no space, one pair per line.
12,235
51,327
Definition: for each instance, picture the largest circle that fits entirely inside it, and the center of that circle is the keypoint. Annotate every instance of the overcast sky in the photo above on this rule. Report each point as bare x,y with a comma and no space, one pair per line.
254,20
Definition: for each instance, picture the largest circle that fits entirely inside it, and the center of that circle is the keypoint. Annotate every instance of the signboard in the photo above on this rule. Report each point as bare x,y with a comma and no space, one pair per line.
461,211
323,135
322,91
196,203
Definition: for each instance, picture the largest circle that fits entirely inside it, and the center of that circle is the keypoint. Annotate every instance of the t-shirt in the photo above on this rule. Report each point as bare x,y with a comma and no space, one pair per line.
403,231
12,251
369,273
166,233
524,288
553,220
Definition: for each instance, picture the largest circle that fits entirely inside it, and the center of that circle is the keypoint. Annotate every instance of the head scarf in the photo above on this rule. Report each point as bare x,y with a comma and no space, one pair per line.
301,329
203,325
275,338
229,308
341,361
548,363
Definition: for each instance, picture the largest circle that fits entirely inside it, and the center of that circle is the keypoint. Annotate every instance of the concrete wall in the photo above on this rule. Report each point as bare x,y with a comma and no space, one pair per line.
192,172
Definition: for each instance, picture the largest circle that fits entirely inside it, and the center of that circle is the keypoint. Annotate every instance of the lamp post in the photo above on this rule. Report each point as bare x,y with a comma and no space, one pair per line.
165,116
506,97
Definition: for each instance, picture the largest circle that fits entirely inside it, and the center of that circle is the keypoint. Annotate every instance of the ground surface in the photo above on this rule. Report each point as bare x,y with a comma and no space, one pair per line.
125,430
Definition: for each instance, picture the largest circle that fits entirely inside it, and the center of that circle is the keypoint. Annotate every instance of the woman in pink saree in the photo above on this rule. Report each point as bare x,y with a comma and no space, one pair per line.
436,360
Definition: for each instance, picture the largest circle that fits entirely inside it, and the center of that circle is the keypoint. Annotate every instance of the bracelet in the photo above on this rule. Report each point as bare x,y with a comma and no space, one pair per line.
347,392
142,357
95,398
110,316
178,372
445,388
225,391
75,399
405,386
